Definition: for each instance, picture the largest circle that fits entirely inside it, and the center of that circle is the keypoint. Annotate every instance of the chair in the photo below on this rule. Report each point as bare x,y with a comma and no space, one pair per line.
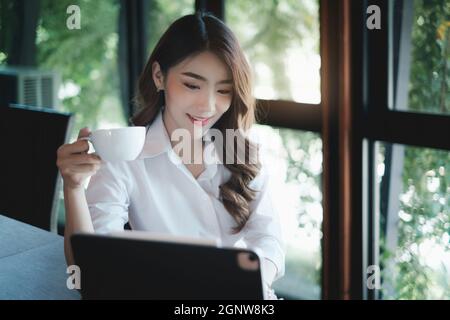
29,178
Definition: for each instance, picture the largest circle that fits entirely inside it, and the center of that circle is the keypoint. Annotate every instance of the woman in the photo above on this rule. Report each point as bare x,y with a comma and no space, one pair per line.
197,79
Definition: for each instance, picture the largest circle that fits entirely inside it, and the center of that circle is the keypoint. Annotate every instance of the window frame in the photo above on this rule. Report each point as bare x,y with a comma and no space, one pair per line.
278,113
320,118
398,126
378,97
353,115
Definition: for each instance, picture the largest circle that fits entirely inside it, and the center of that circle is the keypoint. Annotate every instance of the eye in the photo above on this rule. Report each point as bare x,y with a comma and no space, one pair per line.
225,92
191,86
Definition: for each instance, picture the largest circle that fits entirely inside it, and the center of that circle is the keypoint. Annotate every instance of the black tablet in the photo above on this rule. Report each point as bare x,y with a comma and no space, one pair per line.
145,266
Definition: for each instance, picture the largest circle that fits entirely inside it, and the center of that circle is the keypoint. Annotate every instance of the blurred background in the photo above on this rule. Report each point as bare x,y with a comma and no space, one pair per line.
91,73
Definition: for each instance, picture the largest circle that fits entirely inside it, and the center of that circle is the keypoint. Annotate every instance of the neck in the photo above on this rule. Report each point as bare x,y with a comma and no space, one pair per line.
195,144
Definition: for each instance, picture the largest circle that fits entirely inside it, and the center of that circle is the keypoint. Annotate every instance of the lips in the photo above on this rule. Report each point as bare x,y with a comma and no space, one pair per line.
198,120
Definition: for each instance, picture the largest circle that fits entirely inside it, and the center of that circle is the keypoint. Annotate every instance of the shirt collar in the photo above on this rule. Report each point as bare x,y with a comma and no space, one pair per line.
156,140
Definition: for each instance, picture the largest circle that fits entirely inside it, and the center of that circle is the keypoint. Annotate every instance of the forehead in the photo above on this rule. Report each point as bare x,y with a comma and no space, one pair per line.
206,64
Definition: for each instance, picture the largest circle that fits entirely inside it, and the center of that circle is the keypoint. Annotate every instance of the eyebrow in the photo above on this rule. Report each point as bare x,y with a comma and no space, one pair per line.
199,77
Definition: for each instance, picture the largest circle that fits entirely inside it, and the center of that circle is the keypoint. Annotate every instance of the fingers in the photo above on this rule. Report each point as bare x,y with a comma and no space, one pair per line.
79,146
82,158
84,133
73,161
76,147
86,159
85,168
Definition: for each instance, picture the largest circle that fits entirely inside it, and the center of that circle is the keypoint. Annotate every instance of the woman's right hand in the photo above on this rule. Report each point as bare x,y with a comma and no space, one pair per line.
74,162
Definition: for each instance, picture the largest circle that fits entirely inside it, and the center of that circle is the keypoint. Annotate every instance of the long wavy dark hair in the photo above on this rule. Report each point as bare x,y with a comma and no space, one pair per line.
188,36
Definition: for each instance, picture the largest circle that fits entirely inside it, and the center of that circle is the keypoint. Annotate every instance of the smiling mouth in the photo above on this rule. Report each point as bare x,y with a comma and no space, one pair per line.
198,120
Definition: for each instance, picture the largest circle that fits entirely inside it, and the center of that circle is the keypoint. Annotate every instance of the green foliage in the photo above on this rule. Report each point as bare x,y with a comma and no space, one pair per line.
430,74
162,13
7,23
425,217
302,149
267,29
304,152
86,57
425,201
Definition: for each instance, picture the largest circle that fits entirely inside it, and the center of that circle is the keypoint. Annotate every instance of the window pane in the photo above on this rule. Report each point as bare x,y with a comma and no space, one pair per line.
295,159
82,62
162,13
281,41
421,46
414,189
86,60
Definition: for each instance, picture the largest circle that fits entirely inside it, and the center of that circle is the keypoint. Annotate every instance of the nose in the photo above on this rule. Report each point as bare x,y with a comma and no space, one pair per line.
207,105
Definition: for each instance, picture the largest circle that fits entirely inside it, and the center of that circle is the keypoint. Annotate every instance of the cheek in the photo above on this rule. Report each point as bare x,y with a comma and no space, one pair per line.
177,96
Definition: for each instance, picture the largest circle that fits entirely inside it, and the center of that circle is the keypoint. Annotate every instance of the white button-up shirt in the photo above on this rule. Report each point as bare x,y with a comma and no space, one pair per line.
157,193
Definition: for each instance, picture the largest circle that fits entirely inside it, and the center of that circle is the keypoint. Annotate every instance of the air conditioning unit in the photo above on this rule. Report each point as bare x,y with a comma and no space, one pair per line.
29,86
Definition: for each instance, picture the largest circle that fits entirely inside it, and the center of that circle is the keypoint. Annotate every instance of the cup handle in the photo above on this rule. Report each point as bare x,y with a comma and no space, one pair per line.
89,139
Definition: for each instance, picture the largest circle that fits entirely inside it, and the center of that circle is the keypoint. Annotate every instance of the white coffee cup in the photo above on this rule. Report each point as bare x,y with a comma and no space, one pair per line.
119,144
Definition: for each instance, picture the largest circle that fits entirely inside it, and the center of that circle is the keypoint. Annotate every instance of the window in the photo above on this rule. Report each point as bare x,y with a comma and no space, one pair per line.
421,55
408,156
385,105
161,14
86,59
295,159
281,41
414,209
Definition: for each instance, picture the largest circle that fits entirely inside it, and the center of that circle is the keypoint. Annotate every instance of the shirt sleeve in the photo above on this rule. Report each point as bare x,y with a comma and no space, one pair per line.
262,232
107,199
